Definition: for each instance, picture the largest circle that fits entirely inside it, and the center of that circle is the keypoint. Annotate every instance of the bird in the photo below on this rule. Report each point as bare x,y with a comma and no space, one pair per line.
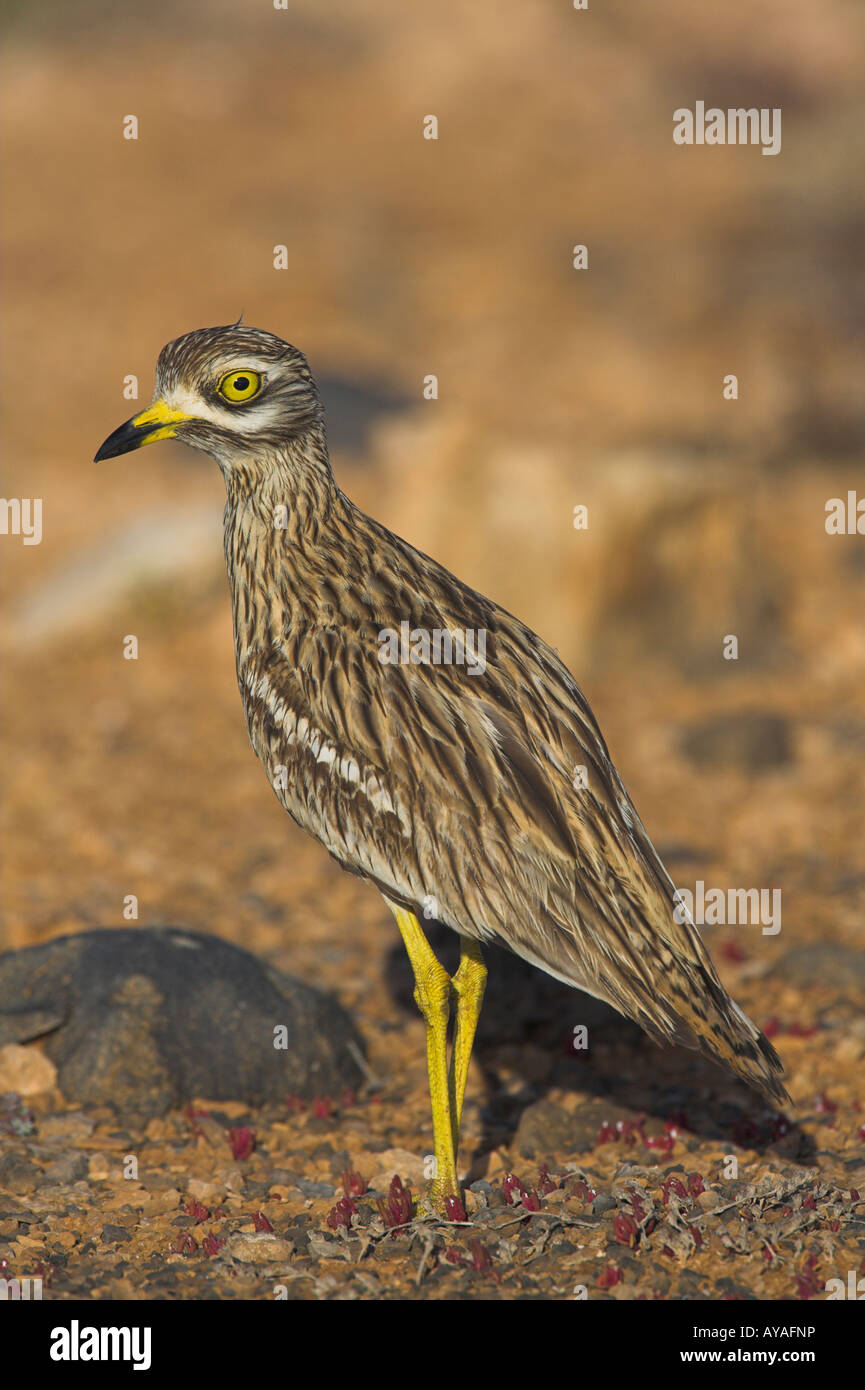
449,784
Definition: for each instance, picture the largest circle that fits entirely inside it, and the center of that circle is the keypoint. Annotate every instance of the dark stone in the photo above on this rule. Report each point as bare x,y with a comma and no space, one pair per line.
354,407
297,1234
376,1145
115,1235
603,1202
146,1019
282,1177
310,1188
546,1128
748,740
690,1284
71,1168
730,1287
256,1189
19,1174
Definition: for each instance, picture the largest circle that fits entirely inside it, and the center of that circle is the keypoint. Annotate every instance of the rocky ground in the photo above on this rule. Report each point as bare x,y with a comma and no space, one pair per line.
617,1173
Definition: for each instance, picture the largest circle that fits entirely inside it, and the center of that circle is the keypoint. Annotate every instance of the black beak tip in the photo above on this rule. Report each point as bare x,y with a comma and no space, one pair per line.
120,442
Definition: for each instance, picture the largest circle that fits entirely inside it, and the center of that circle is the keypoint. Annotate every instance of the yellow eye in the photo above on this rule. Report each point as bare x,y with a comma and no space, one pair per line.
240,386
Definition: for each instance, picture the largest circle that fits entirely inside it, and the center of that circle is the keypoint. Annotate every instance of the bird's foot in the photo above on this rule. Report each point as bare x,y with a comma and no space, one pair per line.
446,1200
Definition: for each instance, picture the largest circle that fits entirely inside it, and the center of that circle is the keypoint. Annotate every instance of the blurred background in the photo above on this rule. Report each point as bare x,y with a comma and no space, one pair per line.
303,127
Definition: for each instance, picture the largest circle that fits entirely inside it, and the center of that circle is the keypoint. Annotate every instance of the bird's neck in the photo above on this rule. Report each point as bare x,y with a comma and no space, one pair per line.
289,488
283,518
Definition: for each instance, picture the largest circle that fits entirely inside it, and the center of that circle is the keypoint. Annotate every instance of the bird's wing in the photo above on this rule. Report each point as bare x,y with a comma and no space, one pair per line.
609,921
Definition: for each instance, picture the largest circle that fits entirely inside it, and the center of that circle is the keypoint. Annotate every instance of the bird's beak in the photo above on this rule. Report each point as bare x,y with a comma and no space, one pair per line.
158,421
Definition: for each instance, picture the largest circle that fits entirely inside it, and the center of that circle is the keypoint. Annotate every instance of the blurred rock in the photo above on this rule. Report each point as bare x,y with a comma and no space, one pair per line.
354,407
410,1167
752,741
147,1019
70,1168
827,963
25,1070
259,1250
158,548
18,1174
99,1167
546,1128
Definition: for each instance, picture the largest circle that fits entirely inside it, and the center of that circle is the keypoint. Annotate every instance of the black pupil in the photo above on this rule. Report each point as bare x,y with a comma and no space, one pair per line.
241,383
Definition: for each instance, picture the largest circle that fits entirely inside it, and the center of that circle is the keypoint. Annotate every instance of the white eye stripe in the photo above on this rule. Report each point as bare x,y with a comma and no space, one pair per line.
241,418
249,364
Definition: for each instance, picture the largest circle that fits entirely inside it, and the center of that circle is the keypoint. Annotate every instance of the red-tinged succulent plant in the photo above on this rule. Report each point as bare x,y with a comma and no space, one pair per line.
454,1209
625,1230
734,951
396,1209
636,1203
354,1184
808,1282
242,1141
341,1214
185,1244
664,1142
513,1188
546,1183
672,1184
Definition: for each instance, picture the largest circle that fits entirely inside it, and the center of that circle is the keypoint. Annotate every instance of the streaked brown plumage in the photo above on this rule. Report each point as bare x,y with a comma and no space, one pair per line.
436,784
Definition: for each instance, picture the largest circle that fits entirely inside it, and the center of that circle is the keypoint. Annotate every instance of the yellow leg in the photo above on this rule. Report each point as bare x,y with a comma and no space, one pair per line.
432,996
468,985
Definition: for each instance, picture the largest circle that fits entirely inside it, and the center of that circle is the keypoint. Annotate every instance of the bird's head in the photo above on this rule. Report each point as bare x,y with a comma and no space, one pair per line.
237,393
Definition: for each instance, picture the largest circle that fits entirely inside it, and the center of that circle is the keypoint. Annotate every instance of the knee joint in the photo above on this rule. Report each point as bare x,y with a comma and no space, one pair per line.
470,982
432,994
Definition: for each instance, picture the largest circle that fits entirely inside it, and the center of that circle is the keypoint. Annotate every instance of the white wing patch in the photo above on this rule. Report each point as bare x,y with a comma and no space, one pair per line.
299,733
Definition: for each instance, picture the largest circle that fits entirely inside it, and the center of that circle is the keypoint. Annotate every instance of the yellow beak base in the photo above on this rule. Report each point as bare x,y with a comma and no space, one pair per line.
158,421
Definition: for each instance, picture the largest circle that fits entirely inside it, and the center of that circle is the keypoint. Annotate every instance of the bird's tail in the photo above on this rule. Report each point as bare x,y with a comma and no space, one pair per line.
720,1029
678,999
